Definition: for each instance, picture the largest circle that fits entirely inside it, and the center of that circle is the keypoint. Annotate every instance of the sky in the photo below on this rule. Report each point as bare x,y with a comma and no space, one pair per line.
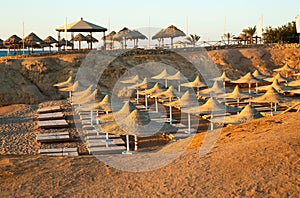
208,18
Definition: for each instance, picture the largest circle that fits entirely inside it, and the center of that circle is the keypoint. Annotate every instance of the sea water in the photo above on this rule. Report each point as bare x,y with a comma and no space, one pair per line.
15,53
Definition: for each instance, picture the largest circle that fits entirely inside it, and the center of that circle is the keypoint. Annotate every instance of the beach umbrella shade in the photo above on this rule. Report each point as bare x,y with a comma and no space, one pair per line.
91,39
195,84
79,37
257,74
63,42
122,35
32,40
159,36
237,94
110,38
139,86
86,99
135,36
83,93
178,76
12,41
286,68
185,102
224,78
133,80
172,32
294,83
162,75
70,89
65,83
216,89
49,40
276,86
155,90
247,114
279,78
248,79
271,96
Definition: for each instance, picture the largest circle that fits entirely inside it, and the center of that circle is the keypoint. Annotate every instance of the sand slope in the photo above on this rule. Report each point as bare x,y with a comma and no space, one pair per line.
256,159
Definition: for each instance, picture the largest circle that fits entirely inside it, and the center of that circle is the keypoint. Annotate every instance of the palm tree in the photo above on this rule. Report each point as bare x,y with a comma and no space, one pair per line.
193,39
228,36
250,31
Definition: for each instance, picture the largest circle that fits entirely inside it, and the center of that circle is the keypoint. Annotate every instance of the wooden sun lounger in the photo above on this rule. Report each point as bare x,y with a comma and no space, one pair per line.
49,109
51,116
59,152
106,150
54,137
52,124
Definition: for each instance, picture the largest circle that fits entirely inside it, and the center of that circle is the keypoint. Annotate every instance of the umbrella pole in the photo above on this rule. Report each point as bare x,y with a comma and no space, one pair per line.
275,107
211,123
166,83
271,109
179,86
189,122
256,88
92,117
156,105
137,96
127,146
146,102
171,115
249,88
135,143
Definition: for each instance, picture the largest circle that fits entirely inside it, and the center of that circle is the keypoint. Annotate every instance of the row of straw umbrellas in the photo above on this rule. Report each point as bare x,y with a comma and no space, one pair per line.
129,120
34,41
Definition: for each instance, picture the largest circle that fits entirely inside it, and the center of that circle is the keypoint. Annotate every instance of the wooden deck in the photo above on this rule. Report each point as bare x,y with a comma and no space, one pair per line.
53,137
49,109
51,116
52,124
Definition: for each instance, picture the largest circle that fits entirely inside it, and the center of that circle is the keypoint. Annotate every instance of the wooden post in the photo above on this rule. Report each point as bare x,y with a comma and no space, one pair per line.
135,143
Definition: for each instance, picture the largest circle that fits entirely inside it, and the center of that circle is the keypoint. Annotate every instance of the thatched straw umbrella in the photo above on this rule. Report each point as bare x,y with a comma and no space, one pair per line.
295,83
162,75
211,107
159,36
65,83
172,32
70,89
135,36
247,114
110,39
279,78
195,84
276,86
286,68
271,96
91,39
122,35
127,108
237,94
155,90
136,123
79,37
178,76
83,93
13,41
63,42
248,79
133,80
185,102
259,75
224,78
32,40
216,89
139,86
1,43
86,99
50,40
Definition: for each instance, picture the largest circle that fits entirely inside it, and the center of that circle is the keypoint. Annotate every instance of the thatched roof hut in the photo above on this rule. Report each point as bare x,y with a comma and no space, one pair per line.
170,32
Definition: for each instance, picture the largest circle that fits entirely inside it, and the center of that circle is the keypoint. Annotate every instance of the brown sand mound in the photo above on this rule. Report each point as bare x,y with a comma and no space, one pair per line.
256,159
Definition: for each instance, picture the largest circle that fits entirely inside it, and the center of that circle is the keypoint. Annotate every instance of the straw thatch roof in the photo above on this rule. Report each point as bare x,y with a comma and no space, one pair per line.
50,40
127,108
247,114
91,39
12,41
196,83
65,83
134,34
294,83
171,32
237,94
79,37
131,80
223,78
137,123
248,78
271,96
86,99
81,26
84,93
162,75
122,34
278,77
211,106
63,42
259,75
176,76
285,68
110,36
152,91
32,39
215,89
187,100
169,93
72,87
158,35
276,86
142,85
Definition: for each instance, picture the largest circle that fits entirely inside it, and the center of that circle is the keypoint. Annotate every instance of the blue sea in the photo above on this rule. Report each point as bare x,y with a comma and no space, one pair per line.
12,53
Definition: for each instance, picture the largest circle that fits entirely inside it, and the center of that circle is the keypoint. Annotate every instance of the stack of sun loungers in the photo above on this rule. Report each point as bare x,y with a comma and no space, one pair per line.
52,118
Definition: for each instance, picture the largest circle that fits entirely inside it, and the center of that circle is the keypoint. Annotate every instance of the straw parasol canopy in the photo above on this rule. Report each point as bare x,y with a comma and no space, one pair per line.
285,68
137,123
236,94
12,42
142,85
294,83
79,37
131,80
65,83
127,108
277,77
63,42
196,83
154,90
169,93
215,89
84,93
110,39
159,36
122,35
276,86
248,79
49,40
72,87
223,78
178,76
86,99
257,74
32,40
247,114
162,75
271,96
91,39
135,36
170,32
